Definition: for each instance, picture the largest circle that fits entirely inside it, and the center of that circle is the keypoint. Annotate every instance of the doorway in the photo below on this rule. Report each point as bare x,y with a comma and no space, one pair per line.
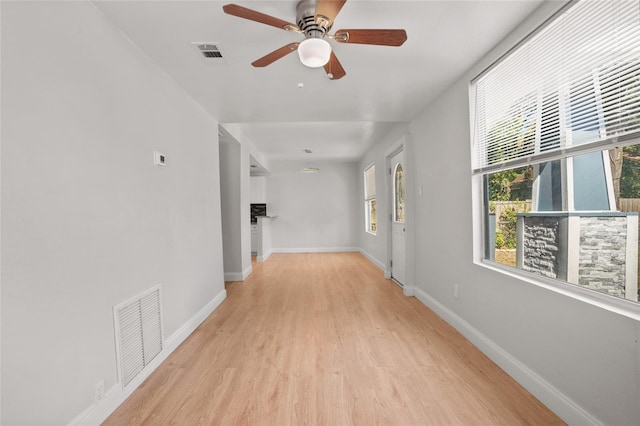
398,228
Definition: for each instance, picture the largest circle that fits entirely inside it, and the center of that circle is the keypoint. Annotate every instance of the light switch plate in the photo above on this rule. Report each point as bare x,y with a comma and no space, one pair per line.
159,159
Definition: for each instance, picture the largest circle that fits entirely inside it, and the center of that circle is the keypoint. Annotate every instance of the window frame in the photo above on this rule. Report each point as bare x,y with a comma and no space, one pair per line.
370,204
480,196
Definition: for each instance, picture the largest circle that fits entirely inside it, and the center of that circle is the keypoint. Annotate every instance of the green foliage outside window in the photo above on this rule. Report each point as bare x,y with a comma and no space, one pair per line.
500,184
630,179
506,236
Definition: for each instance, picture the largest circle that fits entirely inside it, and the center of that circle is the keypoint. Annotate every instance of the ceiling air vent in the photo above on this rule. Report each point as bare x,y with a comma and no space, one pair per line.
211,52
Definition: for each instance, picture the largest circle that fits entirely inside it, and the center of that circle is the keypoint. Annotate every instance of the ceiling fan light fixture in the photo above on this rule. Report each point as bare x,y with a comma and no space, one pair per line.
314,52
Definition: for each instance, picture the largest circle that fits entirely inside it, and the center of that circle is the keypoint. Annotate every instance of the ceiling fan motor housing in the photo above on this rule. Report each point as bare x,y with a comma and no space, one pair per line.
307,22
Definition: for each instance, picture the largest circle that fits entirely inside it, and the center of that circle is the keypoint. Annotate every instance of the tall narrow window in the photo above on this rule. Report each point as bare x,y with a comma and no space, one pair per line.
370,199
398,194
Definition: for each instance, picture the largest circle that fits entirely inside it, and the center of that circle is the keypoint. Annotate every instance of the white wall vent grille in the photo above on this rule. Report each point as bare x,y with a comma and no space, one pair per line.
211,52
138,325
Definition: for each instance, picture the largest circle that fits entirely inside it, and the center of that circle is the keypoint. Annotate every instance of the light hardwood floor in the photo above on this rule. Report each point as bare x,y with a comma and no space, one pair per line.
324,339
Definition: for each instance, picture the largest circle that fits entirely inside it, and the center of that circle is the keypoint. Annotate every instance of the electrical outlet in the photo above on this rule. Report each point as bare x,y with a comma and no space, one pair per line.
455,291
98,391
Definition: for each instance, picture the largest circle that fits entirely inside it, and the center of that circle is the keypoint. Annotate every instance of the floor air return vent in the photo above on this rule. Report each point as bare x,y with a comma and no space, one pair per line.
138,325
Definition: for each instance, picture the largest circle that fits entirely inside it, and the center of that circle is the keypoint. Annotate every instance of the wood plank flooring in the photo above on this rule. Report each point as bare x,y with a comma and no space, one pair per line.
324,339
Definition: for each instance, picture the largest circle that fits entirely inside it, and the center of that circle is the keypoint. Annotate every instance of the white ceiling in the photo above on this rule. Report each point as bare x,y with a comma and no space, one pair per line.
339,119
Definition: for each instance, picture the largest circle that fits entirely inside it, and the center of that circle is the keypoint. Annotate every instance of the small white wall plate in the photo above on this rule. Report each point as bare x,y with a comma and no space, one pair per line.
159,159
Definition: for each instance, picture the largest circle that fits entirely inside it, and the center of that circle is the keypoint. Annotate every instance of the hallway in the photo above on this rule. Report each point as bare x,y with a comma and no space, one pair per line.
325,339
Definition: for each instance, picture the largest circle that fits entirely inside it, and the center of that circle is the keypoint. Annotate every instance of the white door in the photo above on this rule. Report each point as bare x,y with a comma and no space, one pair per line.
398,264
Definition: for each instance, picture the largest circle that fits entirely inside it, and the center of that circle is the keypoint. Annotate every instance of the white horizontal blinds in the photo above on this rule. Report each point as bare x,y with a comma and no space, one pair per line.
577,81
370,182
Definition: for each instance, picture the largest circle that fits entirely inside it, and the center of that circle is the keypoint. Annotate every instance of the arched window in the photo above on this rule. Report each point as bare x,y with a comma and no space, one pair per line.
398,194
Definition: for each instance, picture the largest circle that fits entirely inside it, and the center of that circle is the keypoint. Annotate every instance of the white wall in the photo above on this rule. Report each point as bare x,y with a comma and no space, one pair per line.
87,220
587,354
242,163
235,131
581,360
258,190
245,207
316,211
231,200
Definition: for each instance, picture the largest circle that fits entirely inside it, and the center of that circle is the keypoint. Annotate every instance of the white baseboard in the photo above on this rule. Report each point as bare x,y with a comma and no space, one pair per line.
238,276
409,290
315,250
372,259
246,272
233,276
98,412
557,402
264,256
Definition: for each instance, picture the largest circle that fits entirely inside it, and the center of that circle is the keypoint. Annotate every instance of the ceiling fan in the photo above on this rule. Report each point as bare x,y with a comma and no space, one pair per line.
314,20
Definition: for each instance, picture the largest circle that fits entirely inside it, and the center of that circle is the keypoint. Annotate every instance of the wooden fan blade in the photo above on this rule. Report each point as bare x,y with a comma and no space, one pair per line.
329,8
275,55
377,37
252,15
334,69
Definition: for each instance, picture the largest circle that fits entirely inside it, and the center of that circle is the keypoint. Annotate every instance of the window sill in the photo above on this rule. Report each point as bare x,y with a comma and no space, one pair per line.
613,304
371,233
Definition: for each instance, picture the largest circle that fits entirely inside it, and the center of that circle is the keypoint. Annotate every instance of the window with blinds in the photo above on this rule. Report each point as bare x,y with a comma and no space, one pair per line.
371,222
571,87
556,151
